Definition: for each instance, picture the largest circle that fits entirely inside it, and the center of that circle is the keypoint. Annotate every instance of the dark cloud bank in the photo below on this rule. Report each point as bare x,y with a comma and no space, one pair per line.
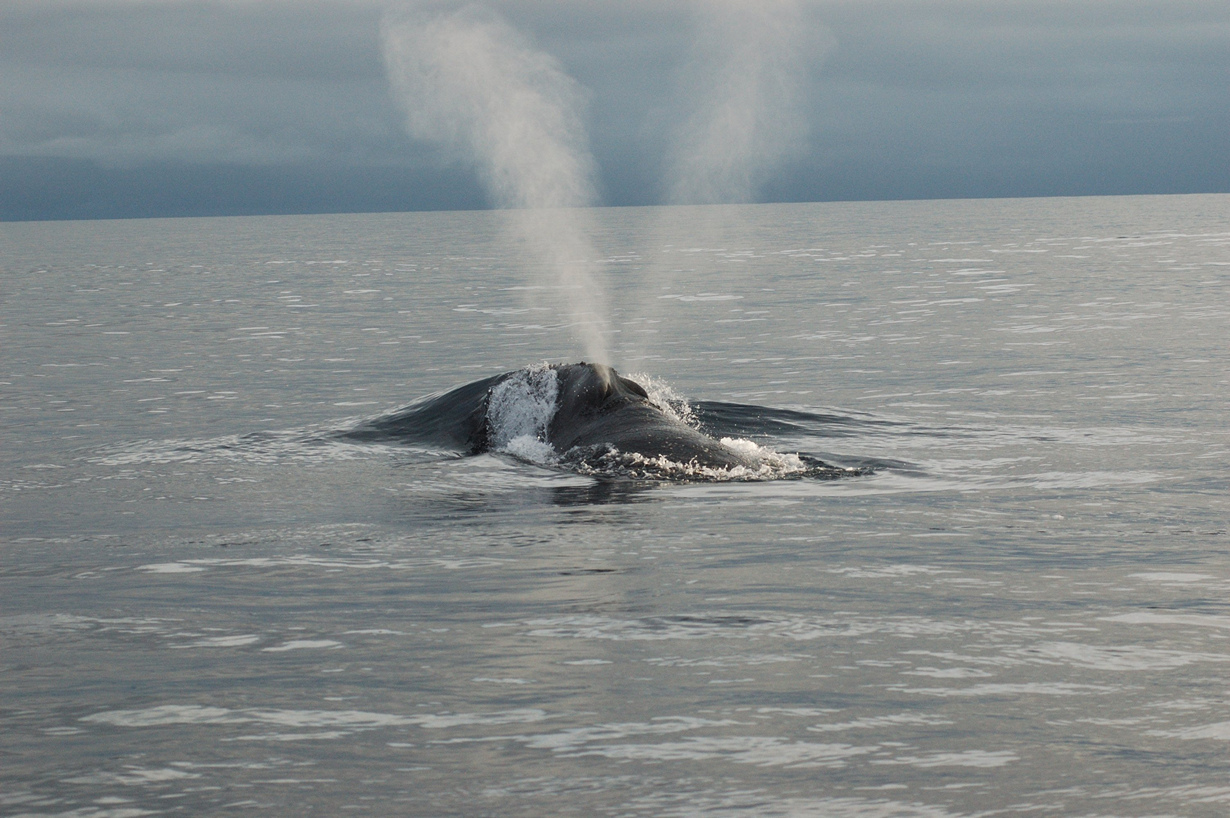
114,108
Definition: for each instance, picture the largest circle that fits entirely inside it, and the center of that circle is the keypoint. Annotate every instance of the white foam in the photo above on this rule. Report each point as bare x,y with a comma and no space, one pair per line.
1216,732
608,741
948,673
222,641
967,758
132,776
1146,618
574,739
170,714
761,804
170,568
876,722
531,449
1120,657
306,644
1172,577
1021,689
319,735
750,626
167,714
736,660
760,751
892,571
90,812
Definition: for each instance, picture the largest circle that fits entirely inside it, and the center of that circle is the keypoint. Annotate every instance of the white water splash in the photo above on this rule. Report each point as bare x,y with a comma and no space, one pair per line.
519,411
471,83
664,397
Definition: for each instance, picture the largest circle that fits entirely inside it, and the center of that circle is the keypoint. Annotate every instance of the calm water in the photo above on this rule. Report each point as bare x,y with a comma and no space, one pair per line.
212,603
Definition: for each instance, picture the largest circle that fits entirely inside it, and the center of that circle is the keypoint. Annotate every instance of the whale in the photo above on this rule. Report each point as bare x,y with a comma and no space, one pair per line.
583,417
600,414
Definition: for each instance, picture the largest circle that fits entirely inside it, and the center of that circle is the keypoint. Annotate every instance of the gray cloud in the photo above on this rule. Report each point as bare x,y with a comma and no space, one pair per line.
913,98
248,83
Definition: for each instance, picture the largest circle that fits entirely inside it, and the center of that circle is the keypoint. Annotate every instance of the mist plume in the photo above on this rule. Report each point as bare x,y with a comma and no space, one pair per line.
474,85
743,82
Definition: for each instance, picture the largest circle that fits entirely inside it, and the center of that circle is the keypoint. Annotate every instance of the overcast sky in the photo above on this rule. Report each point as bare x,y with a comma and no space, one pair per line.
117,108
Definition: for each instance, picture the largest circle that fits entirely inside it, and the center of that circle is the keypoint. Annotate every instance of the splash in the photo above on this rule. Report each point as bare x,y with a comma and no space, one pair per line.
519,410
744,79
472,84
664,397
741,92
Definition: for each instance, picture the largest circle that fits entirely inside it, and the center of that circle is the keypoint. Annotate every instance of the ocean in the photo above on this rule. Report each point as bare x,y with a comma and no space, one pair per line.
216,598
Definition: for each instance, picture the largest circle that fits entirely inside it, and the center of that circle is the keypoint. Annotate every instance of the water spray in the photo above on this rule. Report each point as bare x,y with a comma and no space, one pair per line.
471,83
744,78
742,81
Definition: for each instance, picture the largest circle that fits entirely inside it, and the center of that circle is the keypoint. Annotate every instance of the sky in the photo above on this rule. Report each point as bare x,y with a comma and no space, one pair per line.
141,108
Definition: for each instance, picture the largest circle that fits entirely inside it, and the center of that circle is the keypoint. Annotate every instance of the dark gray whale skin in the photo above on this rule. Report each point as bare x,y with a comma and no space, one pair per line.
598,409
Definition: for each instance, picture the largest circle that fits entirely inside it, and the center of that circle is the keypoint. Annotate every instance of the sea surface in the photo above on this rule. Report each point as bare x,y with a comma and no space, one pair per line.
214,601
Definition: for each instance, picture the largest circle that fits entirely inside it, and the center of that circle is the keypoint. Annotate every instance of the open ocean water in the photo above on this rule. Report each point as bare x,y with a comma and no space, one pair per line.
212,601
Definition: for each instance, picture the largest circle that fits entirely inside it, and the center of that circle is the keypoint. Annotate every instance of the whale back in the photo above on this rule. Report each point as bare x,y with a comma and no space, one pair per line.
455,419
586,389
600,409
596,410
586,418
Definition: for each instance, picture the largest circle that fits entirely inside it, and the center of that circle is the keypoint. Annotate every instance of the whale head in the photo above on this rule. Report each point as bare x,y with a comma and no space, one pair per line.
588,389
598,410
